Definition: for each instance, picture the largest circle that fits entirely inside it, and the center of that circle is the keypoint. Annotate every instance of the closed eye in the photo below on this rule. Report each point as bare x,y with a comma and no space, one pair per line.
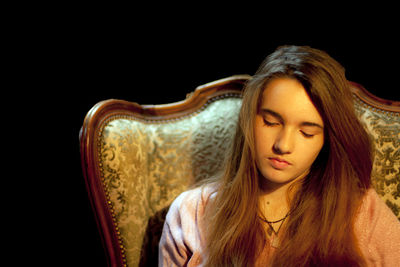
306,135
269,123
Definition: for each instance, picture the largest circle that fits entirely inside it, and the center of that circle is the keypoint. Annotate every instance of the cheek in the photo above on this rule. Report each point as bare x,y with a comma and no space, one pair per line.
263,140
310,153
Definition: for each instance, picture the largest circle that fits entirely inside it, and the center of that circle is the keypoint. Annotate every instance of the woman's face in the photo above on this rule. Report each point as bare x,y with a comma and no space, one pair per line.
289,132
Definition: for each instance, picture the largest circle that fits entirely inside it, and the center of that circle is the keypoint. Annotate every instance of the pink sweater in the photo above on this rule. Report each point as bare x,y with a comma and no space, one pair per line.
182,240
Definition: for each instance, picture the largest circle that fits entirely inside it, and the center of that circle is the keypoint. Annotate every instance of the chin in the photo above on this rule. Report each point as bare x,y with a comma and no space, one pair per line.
278,176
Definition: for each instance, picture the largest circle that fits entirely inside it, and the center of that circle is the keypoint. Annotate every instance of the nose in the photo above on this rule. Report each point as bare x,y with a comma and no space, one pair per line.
284,143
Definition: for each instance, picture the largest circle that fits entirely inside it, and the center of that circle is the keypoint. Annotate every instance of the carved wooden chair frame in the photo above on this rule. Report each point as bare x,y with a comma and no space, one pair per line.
195,102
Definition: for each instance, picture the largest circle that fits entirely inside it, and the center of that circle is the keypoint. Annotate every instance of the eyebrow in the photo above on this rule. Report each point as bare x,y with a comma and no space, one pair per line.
279,117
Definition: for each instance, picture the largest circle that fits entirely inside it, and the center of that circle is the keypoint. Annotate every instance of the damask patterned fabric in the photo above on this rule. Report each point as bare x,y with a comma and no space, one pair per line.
384,129
146,165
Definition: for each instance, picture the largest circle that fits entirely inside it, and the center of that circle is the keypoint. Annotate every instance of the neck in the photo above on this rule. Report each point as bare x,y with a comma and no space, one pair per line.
274,202
274,198
279,192
275,192
274,206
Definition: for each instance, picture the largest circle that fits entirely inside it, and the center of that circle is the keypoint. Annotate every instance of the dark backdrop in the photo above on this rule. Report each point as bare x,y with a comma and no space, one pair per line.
94,57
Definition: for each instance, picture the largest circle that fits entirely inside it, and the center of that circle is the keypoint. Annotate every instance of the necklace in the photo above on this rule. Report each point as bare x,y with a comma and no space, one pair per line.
265,220
271,222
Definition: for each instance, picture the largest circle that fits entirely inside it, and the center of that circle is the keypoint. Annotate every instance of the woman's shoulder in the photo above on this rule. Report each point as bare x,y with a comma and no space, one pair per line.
193,200
378,230
182,239
373,210
376,220
373,207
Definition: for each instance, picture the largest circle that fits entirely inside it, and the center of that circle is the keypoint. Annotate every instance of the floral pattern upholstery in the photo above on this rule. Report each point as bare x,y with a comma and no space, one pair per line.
146,164
384,129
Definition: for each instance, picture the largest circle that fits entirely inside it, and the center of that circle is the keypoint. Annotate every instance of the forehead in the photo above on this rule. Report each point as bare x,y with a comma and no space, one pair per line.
288,97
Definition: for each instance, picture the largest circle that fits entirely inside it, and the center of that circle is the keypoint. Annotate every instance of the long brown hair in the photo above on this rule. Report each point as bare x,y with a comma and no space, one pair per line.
319,230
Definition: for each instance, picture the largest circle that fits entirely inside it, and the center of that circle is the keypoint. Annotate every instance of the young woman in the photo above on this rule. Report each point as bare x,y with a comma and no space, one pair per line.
296,188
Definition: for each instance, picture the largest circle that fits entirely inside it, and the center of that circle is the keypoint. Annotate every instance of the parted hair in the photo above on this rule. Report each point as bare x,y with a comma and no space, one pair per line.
319,230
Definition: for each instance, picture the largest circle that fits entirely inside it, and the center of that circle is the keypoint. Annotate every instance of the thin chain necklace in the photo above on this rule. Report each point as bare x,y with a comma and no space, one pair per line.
265,220
271,222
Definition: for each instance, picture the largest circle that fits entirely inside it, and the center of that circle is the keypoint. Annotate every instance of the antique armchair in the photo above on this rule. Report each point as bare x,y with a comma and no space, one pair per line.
136,159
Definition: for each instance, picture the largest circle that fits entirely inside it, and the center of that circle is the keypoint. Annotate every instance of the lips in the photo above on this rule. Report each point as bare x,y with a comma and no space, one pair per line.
279,163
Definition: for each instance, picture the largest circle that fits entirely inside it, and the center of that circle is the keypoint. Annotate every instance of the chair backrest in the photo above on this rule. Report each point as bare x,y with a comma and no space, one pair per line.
137,159
381,119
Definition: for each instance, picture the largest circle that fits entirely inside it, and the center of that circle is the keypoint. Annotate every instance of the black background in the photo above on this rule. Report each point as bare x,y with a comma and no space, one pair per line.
153,57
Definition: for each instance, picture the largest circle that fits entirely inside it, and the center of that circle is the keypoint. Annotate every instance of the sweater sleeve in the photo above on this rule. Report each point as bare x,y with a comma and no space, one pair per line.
379,232
181,239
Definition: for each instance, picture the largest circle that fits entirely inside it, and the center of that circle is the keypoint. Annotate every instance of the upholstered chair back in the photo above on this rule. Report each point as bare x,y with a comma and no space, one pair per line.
136,159
381,119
